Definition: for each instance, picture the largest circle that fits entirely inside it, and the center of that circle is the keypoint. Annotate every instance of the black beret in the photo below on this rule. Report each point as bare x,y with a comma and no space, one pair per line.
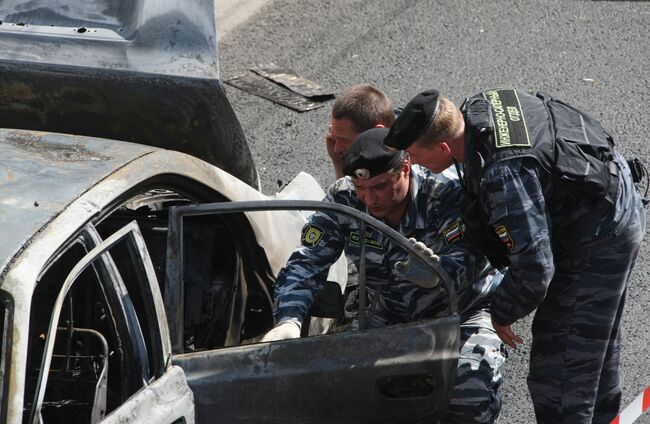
369,156
414,120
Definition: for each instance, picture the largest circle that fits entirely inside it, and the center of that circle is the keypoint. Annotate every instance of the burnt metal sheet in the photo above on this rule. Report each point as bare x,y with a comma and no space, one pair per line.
42,173
143,71
294,82
264,88
167,399
172,37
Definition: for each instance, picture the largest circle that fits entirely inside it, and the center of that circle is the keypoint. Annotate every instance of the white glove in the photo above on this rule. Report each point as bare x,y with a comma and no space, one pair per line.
413,269
284,330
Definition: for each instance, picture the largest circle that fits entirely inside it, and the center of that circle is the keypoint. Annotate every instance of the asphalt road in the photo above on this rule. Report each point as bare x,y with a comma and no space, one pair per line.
595,54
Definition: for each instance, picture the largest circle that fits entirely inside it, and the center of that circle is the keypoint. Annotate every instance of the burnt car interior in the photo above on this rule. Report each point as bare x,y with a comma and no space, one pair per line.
97,346
226,276
94,355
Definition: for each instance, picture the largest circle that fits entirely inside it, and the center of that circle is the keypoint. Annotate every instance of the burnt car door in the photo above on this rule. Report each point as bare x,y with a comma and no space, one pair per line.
401,373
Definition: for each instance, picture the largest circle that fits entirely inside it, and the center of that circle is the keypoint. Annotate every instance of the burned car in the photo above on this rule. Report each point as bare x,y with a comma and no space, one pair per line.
138,257
106,316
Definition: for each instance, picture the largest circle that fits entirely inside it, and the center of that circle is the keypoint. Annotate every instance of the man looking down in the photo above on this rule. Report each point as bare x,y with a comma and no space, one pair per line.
418,204
547,194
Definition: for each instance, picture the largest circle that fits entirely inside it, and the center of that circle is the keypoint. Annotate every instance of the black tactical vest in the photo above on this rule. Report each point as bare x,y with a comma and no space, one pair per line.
568,144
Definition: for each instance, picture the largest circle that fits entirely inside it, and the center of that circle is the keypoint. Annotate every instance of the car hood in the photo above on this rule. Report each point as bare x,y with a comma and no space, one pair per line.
144,71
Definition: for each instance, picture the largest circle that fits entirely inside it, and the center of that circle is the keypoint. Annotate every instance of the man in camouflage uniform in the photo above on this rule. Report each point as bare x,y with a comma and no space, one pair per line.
418,204
546,194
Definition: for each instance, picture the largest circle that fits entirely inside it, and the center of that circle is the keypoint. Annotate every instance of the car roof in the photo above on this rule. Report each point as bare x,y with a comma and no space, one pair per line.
42,173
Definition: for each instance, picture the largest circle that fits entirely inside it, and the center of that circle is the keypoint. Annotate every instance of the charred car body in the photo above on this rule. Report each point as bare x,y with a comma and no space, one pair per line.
133,282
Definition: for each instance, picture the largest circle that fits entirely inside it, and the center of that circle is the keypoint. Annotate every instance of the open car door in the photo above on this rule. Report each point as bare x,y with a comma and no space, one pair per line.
402,373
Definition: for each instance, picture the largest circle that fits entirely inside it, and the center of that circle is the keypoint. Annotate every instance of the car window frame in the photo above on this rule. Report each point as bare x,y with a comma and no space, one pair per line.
100,251
173,288
153,297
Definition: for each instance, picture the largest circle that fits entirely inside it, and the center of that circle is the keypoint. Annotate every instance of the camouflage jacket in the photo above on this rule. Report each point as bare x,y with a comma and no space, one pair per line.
541,224
431,216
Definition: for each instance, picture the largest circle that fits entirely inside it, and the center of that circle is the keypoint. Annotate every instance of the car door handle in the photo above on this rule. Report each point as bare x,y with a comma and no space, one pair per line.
406,386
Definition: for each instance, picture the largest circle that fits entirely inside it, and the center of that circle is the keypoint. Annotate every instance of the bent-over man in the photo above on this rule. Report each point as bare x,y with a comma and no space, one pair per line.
547,194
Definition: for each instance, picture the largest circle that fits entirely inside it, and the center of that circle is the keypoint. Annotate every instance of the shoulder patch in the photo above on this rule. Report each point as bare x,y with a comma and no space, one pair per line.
312,235
504,236
454,232
510,129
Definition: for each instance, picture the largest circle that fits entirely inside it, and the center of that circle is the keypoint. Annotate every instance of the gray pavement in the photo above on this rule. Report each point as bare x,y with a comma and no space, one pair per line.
595,54
233,13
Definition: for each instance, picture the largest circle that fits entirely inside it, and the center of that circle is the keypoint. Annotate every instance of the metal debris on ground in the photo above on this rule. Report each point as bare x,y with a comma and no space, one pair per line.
283,86
294,82
264,88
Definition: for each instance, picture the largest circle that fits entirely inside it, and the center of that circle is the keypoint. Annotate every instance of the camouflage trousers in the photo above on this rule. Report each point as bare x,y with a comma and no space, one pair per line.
574,362
475,397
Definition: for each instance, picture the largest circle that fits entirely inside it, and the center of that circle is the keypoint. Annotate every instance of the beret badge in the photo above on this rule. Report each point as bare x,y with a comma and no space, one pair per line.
362,173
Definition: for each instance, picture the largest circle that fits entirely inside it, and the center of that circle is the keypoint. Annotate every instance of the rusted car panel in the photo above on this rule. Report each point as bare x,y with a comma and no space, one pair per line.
143,71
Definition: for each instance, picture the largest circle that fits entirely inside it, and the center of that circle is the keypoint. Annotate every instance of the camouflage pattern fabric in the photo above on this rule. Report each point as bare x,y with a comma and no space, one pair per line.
571,260
476,397
432,217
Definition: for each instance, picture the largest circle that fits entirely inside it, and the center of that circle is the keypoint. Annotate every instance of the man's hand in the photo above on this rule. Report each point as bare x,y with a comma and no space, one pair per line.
284,330
413,269
506,335
330,142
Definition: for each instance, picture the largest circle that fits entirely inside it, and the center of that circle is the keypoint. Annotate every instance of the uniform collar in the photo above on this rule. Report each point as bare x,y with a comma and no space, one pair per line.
411,220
